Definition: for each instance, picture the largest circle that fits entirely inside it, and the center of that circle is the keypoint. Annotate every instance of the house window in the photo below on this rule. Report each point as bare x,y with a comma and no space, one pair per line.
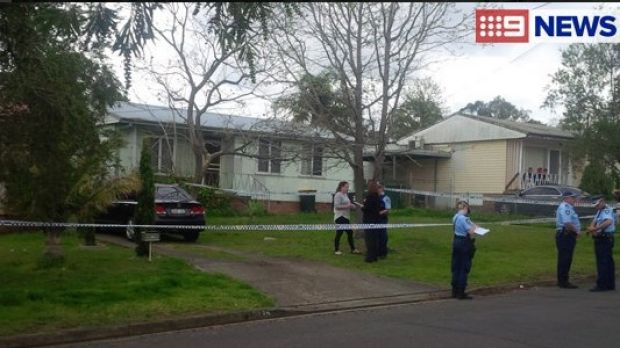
161,155
269,156
312,160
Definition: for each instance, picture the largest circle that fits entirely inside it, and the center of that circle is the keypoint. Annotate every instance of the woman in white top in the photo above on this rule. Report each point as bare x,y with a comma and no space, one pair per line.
342,210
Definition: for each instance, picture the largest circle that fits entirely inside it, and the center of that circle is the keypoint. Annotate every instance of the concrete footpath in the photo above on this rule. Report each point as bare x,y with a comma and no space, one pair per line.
297,286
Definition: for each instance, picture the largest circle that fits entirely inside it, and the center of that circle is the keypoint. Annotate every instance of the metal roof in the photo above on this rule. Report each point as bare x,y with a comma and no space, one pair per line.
524,127
135,112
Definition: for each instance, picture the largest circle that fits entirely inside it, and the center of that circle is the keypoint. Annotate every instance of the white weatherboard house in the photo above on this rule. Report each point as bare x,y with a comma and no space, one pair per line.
260,170
475,154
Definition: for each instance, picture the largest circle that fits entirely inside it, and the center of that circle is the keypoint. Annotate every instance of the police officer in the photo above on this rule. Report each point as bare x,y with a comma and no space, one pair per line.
386,206
567,229
602,230
463,249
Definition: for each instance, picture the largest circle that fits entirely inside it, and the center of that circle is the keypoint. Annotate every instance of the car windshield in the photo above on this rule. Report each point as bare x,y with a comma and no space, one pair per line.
172,194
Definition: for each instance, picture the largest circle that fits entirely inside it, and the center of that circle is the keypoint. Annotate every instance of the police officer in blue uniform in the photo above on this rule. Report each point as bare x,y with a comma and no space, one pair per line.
463,249
567,229
602,230
386,206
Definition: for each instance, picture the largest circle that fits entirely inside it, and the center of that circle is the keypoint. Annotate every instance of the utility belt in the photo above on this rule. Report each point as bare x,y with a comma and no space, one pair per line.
463,237
565,232
604,235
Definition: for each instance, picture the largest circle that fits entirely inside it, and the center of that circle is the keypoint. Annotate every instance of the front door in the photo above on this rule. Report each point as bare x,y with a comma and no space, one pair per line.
554,166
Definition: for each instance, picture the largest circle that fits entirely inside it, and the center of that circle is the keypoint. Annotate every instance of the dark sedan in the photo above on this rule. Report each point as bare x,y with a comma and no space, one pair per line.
173,206
536,201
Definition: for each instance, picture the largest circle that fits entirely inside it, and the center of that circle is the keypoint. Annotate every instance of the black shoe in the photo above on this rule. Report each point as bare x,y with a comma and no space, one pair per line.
597,289
464,296
567,286
453,292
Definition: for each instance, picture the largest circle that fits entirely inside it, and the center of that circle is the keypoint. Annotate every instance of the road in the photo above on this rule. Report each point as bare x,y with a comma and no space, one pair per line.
538,317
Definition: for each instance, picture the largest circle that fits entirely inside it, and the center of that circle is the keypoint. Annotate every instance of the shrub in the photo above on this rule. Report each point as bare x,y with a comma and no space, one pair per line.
595,180
256,208
215,202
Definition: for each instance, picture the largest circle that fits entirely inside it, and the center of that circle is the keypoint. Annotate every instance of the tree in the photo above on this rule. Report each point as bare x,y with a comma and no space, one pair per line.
145,212
368,52
49,93
498,108
421,108
205,73
233,23
586,90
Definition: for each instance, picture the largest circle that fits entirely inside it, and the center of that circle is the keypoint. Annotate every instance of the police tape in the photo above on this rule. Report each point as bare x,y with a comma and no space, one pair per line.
264,227
513,200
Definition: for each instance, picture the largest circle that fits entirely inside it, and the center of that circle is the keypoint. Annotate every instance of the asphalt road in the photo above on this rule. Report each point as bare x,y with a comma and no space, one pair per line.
539,317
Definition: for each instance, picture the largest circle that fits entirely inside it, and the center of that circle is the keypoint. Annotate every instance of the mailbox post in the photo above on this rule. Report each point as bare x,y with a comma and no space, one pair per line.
150,237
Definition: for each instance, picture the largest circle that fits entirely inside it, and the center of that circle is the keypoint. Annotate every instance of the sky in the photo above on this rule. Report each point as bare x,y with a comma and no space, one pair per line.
520,73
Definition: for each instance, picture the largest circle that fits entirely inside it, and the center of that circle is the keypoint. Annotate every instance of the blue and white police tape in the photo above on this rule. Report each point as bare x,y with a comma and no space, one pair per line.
515,199
264,227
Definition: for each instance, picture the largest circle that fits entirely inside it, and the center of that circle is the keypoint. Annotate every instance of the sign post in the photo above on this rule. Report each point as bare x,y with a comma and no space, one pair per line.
150,237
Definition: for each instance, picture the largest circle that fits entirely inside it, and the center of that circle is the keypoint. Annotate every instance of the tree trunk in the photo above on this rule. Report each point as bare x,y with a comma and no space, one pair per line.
54,253
198,171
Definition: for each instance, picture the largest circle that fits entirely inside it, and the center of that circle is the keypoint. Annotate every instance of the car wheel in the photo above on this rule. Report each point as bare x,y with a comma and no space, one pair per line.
191,236
130,231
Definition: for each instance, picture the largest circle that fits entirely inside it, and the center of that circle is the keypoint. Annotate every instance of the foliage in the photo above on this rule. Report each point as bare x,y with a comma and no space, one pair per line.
499,108
49,93
586,89
421,108
595,180
256,209
215,202
234,23
145,211
105,287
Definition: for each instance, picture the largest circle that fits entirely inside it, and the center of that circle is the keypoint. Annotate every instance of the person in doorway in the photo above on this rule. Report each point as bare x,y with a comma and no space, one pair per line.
463,250
602,229
567,229
371,209
342,210
386,206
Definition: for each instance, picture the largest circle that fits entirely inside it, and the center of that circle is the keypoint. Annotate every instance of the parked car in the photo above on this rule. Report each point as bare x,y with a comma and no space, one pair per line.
173,206
545,193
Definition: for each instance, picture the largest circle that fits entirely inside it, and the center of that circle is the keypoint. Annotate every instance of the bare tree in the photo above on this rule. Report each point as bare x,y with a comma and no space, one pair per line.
371,51
203,73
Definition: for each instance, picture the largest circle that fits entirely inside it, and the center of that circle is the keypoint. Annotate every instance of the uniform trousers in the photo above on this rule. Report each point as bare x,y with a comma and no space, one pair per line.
565,243
462,254
605,268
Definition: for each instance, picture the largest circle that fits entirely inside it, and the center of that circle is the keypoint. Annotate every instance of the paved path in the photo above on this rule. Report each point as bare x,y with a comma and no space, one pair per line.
297,284
539,317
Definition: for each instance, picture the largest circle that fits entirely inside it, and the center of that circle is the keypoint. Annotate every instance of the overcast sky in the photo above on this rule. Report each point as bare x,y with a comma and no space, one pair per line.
517,72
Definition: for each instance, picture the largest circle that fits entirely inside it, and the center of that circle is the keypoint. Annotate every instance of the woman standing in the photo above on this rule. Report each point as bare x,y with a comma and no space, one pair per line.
342,209
371,209
463,250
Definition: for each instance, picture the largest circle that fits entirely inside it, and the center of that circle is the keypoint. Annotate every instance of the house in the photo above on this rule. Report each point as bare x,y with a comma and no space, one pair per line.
476,154
263,159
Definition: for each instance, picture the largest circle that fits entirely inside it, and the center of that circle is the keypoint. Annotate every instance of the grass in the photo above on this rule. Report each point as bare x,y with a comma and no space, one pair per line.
509,254
107,286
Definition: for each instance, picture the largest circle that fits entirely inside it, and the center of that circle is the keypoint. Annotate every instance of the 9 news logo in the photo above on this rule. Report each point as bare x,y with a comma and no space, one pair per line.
546,26
508,26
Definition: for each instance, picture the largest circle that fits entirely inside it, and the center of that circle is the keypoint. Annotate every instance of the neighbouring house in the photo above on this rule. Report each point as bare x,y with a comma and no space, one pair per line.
475,154
264,159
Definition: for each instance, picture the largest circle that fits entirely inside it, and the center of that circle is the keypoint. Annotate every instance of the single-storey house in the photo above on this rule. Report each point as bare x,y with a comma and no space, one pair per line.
476,154
263,160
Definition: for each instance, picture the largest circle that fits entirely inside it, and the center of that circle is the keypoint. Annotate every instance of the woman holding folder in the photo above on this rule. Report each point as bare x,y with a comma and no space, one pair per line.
463,250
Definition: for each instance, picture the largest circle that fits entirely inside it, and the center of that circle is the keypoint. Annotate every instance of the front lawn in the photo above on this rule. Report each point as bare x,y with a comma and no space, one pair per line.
508,254
106,286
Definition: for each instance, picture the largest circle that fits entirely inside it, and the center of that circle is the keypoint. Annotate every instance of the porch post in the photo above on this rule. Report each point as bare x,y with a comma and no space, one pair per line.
520,164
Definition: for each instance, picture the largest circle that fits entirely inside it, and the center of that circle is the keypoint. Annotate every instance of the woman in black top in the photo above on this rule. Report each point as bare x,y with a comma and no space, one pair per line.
371,209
